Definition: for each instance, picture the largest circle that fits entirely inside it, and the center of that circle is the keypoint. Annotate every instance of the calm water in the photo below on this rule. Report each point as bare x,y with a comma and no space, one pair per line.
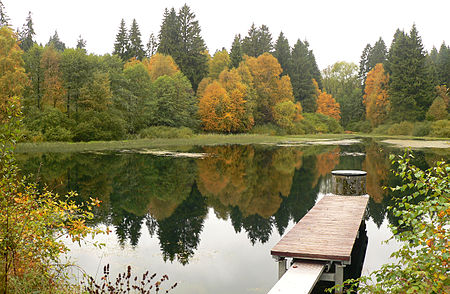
209,223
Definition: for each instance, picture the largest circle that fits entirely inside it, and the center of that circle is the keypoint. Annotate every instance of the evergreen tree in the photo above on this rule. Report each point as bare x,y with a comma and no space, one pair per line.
410,89
35,72
4,19
169,34
191,57
135,49
152,46
431,61
443,65
315,72
282,52
122,43
377,54
300,70
236,51
81,43
27,33
364,63
258,41
56,42
370,57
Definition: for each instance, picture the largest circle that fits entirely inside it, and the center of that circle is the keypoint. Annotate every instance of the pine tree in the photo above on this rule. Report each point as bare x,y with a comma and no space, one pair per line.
236,51
282,52
315,72
191,57
302,80
122,43
27,33
32,59
56,42
152,46
364,63
135,49
4,19
443,65
169,34
376,55
411,91
258,41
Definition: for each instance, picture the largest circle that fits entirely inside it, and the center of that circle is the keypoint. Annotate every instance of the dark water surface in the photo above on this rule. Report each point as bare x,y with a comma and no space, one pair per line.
209,223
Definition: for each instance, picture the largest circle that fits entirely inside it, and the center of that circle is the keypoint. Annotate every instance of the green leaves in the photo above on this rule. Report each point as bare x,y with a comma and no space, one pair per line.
422,230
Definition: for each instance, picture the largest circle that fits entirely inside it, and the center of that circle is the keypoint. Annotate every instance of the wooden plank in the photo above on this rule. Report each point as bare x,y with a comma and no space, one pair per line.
327,232
300,278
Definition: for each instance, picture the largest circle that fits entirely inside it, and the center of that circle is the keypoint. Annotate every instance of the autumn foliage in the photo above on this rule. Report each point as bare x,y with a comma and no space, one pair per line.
326,104
12,74
253,92
223,104
376,95
159,65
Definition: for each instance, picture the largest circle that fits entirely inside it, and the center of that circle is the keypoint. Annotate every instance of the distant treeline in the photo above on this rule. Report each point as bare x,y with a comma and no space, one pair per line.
260,85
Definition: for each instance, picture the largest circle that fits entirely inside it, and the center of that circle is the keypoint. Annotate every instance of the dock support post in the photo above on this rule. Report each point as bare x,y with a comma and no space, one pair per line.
339,276
281,266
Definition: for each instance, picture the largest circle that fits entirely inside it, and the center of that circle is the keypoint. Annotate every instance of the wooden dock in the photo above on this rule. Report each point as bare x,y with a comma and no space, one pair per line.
325,234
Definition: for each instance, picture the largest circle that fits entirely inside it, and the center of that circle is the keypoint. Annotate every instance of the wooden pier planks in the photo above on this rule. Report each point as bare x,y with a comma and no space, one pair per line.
327,232
300,278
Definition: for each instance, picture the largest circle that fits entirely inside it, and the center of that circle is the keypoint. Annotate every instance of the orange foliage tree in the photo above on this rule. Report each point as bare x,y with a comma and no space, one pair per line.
222,107
159,65
376,95
270,87
326,104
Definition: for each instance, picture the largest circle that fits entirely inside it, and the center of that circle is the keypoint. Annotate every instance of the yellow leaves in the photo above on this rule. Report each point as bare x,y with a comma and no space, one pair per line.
222,105
376,96
160,65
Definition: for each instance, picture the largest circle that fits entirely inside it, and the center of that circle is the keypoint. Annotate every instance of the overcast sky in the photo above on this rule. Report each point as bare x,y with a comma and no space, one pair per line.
337,30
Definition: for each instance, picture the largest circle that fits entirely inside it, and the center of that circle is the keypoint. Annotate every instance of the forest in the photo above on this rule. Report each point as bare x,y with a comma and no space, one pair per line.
173,87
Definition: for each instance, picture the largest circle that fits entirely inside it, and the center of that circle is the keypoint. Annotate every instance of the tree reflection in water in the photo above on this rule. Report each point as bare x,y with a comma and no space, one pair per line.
256,188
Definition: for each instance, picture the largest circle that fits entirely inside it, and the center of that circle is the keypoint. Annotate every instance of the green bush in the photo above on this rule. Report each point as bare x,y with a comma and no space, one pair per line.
365,127
31,136
166,132
421,129
381,129
58,134
404,128
319,123
51,123
99,126
267,129
299,128
440,128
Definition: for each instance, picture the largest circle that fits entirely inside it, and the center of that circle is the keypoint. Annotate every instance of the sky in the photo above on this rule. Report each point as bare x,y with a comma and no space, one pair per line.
337,30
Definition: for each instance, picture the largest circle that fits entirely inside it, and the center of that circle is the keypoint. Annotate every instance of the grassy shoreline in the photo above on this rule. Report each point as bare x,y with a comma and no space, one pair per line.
201,139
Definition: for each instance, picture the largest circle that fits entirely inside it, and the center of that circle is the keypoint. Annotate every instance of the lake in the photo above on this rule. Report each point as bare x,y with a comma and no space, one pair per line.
208,217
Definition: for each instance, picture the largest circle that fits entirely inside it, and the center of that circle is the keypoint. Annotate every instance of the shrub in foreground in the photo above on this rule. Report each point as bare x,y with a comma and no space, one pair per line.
423,216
